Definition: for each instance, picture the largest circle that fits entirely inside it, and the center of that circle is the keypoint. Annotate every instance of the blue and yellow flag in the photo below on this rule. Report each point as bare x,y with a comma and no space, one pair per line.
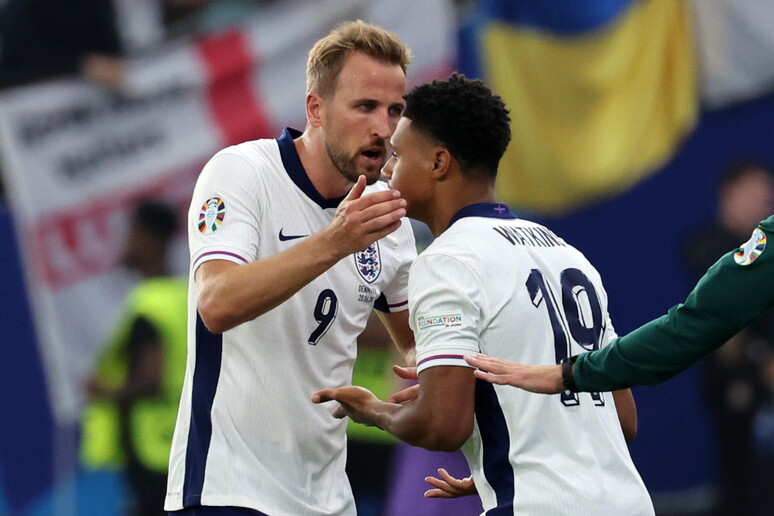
601,93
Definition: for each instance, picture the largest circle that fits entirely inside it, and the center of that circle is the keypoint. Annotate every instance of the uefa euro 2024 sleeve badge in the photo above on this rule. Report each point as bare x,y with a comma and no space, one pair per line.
211,215
369,263
752,249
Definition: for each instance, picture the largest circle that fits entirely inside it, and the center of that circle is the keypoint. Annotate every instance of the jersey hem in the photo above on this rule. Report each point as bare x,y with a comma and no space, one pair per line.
441,360
212,253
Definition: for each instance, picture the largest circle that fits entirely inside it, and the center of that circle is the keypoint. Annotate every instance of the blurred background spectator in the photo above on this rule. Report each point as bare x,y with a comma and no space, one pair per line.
135,388
624,115
745,196
42,39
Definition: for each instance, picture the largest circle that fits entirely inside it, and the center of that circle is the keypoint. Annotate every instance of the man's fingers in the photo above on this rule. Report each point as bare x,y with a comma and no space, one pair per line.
383,231
442,489
409,393
448,478
489,377
435,482
405,395
357,189
381,217
323,396
359,202
362,219
326,395
475,360
488,368
437,493
485,362
375,205
447,486
372,217
407,373
339,412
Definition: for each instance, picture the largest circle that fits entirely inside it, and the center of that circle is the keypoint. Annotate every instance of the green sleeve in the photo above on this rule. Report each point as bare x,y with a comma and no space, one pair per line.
725,300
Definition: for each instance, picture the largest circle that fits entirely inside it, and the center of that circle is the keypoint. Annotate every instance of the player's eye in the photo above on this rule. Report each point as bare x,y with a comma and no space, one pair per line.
396,110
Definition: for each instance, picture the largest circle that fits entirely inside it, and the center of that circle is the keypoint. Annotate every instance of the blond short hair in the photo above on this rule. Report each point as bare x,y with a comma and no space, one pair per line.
327,56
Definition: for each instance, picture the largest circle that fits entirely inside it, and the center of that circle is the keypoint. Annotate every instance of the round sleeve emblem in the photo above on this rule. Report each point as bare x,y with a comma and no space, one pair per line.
211,215
752,249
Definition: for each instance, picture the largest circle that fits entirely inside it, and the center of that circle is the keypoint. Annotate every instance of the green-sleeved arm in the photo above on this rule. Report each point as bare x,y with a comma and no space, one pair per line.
725,300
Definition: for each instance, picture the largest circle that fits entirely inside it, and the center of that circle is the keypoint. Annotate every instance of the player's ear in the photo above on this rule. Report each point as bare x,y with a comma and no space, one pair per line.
313,109
441,163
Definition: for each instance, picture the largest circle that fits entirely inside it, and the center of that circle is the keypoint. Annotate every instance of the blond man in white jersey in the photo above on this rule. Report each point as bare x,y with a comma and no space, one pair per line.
500,285
293,243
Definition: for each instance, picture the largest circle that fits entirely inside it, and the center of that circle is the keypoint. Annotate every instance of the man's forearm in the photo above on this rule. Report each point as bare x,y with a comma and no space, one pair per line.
725,300
408,424
241,293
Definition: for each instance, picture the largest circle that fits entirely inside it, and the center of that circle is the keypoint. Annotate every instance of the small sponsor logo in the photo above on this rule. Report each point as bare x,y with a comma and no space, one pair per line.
284,237
211,215
752,249
369,263
432,321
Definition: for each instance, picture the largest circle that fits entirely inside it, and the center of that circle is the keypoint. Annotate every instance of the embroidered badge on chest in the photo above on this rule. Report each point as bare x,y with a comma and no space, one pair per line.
751,250
211,215
369,263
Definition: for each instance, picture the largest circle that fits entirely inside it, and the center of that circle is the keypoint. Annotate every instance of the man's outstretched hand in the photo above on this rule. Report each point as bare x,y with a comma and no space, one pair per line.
533,378
353,402
449,487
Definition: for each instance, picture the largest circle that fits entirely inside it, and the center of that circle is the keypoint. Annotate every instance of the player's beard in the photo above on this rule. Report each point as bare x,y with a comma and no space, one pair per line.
347,164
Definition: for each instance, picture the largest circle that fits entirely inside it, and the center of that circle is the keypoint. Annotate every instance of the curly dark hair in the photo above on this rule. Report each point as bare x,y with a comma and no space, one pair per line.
464,116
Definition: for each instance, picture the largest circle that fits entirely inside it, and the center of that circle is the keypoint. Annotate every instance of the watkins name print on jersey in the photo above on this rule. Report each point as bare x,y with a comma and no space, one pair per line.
534,236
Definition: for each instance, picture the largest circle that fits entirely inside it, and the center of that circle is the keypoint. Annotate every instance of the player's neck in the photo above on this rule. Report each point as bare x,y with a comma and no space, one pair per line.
451,198
325,178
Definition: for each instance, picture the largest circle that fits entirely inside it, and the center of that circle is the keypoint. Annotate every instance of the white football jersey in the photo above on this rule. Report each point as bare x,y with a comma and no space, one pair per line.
247,434
510,288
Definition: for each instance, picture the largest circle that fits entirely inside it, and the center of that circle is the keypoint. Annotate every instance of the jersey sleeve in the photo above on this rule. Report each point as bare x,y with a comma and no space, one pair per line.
394,297
223,217
444,301
727,298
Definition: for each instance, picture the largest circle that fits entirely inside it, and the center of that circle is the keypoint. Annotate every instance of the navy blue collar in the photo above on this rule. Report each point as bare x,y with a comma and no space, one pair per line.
494,210
296,171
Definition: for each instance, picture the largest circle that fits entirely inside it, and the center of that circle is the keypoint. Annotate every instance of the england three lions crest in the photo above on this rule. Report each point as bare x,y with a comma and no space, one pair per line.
369,263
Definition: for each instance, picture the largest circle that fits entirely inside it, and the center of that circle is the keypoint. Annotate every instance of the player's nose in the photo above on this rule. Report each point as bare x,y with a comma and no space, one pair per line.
383,126
387,169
